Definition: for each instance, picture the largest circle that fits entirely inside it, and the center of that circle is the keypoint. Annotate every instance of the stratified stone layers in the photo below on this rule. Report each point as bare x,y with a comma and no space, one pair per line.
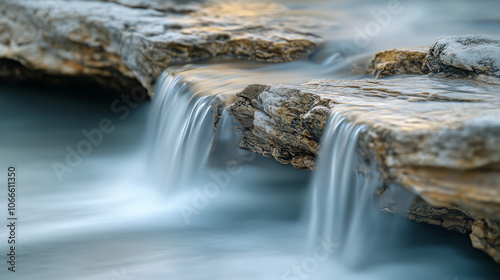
119,42
426,135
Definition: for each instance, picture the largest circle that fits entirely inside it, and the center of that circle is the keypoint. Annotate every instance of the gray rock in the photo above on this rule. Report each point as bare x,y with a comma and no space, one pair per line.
465,56
469,56
404,61
136,40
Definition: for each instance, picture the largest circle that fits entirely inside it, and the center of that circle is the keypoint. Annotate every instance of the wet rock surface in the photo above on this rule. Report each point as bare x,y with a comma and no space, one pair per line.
136,40
438,138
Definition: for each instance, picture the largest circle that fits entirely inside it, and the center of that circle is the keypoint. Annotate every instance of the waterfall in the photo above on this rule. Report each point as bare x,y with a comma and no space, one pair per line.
181,131
183,139
343,208
225,150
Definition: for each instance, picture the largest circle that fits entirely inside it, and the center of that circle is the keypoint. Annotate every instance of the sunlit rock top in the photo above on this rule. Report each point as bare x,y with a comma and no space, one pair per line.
127,40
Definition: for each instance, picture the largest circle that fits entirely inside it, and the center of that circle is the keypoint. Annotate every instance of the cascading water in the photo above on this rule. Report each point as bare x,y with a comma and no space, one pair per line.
334,183
181,132
224,150
343,206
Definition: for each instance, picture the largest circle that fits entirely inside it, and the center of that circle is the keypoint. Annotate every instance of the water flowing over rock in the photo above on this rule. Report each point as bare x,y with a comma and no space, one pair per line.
425,146
181,132
343,208
436,137
88,39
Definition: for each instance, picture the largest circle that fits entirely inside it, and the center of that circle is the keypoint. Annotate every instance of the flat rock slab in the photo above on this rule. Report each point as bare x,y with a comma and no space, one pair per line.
124,40
439,138
408,105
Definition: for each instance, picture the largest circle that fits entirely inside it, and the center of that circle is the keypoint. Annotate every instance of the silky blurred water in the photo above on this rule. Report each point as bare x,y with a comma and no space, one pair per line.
150,202
109,220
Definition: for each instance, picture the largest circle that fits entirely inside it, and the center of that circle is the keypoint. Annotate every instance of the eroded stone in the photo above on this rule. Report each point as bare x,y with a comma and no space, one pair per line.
128,39
438,138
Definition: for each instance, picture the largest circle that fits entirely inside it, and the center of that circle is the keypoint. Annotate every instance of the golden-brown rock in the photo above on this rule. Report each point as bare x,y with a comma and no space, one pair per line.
399,62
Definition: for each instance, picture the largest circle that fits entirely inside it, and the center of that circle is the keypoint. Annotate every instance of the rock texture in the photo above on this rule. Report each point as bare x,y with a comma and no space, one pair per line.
465,56
399,62
437,137
470,56
427,134
486,236
118,42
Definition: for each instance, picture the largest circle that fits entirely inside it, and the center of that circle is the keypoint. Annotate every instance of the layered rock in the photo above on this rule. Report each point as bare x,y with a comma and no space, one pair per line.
470,56
128,40
426,135
438,138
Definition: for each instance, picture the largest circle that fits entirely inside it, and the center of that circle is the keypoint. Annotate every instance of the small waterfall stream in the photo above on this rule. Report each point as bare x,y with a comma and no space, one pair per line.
344,209
196,207
180,131
340,196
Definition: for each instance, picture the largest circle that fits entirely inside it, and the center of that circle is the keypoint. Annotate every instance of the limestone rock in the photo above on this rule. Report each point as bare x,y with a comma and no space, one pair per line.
399,62
286,122
470,56
405,103
137,40
425,134
465,56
